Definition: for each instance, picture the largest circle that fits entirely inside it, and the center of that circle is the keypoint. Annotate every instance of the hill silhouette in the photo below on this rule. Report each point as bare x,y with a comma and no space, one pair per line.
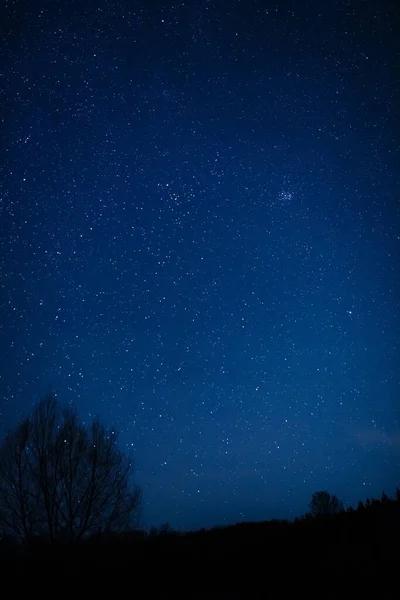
353,553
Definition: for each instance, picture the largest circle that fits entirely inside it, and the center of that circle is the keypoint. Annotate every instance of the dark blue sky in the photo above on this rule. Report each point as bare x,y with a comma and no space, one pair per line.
200,242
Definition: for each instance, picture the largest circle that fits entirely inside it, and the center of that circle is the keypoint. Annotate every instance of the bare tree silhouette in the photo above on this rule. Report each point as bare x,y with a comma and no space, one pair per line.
60,478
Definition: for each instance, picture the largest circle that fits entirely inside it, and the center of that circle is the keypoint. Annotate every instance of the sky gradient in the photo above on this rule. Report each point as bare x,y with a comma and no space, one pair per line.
200,243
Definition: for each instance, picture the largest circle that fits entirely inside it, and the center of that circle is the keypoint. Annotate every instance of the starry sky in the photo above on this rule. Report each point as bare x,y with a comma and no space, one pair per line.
200,242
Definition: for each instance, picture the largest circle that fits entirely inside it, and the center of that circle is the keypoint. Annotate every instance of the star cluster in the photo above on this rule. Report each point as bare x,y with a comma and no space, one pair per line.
200,243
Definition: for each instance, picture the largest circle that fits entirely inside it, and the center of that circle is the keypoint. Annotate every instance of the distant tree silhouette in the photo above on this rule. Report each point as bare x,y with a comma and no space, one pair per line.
324,504
384,498
62,479
163,530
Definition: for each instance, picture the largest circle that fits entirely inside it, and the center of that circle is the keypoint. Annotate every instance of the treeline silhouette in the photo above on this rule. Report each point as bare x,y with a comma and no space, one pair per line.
51,488
353,553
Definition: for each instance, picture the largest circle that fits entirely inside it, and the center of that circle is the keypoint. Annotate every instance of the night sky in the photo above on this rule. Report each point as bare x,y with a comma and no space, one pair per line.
200,242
